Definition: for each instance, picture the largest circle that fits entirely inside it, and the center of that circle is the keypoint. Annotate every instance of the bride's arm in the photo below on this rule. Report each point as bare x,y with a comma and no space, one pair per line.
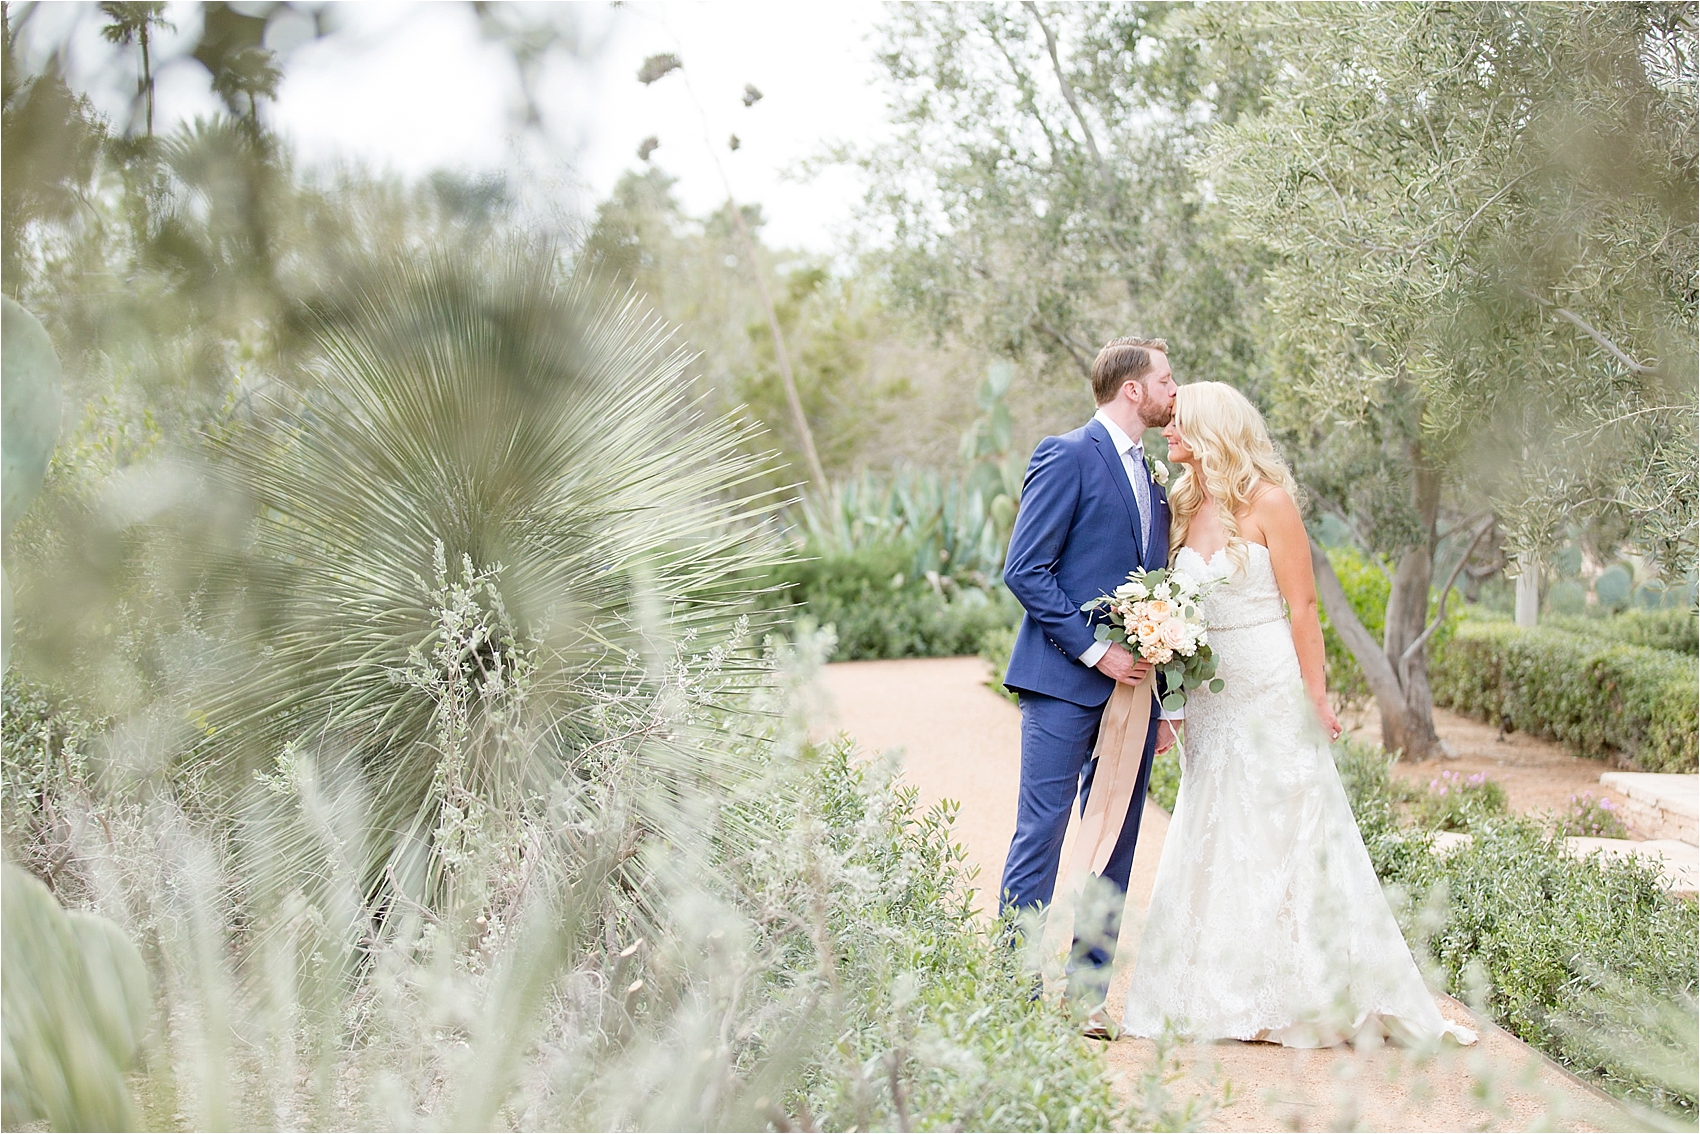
1283,531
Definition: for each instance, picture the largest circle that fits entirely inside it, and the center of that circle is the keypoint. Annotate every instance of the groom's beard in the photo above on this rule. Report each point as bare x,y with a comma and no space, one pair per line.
1156,417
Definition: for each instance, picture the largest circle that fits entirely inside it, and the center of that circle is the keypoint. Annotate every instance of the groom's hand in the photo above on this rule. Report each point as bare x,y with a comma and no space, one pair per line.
1120,663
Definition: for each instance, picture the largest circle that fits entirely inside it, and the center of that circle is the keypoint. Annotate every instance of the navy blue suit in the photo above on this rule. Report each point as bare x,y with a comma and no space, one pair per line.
1077,535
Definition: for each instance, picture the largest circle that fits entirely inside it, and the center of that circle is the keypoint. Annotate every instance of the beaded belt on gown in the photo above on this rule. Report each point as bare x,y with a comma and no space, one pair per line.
1277,616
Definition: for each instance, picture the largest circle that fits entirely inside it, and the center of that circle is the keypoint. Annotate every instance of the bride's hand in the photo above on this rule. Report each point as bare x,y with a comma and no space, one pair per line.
1325,714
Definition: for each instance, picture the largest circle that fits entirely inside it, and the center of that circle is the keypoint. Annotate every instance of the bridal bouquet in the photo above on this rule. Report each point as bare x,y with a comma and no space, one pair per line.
1155,614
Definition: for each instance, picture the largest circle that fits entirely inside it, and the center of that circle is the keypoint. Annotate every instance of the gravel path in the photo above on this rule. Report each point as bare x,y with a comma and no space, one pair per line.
960,741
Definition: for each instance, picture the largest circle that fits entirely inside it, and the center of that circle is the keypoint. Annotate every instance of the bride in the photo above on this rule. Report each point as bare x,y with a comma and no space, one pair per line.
1266,921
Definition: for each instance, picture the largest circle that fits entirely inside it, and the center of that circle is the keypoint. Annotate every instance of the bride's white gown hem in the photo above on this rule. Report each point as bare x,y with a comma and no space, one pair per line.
1266,919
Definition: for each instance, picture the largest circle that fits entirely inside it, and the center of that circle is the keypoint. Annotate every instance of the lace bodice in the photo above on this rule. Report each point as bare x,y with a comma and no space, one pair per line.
1244,598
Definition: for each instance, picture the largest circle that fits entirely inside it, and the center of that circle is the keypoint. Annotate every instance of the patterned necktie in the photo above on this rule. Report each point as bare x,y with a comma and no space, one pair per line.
1141,492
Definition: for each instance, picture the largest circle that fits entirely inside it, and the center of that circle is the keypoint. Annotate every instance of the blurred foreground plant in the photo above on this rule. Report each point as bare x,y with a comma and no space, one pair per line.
489,511
77,1009
459,798
795,946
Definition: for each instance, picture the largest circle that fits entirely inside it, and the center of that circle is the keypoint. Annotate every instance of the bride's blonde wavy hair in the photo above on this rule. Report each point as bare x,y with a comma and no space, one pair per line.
1228,437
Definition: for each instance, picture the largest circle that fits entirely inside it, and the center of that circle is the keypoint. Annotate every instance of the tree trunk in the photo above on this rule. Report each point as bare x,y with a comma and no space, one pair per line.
1409,726
1400,685
1528,590
147,77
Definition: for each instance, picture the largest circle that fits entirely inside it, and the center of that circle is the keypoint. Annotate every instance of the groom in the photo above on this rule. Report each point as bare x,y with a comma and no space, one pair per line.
1090,513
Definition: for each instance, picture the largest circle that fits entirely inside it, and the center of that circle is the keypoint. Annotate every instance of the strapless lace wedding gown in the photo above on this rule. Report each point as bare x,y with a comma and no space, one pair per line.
1267,921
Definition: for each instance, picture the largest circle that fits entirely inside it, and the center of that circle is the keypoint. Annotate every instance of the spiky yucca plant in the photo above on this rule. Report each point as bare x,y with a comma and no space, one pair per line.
495,508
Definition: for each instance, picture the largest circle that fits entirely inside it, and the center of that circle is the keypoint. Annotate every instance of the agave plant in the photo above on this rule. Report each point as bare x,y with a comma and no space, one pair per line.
948,526
496,509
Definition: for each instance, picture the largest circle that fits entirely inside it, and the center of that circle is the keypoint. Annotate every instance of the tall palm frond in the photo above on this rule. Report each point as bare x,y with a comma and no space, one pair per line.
474,533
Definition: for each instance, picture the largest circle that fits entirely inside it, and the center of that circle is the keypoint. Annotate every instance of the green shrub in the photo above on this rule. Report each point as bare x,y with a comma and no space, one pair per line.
880,611
1573,950
1673,629
1588,960
995,648
1455,802
1165,780
1601,698
900,566
43,757
932,986
1367,586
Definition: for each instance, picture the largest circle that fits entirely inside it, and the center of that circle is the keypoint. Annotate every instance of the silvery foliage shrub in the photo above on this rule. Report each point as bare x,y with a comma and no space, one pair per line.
797,946
1589,960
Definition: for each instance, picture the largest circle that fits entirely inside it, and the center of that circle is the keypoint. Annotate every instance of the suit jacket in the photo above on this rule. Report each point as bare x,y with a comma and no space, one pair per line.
1076,537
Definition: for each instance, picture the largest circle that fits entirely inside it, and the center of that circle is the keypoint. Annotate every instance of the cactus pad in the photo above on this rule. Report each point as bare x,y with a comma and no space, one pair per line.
29,388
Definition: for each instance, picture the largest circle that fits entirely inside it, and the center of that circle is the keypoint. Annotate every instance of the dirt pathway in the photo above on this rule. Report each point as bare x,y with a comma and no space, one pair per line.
960,741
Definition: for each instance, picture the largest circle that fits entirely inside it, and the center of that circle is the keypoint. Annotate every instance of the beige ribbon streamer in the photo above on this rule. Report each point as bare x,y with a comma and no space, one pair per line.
1121,745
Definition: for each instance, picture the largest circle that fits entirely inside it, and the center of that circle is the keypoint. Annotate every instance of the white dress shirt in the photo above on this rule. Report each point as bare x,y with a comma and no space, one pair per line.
1132,453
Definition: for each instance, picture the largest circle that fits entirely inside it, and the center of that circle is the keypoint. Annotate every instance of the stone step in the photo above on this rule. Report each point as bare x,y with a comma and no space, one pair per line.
1678,862
1664,805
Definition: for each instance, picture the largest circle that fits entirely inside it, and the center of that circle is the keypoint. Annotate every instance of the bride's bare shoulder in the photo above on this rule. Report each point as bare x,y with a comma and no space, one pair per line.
1269,498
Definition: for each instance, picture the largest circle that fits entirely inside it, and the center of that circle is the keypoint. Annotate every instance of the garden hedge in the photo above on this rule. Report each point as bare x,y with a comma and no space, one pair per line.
1600,697
1661,629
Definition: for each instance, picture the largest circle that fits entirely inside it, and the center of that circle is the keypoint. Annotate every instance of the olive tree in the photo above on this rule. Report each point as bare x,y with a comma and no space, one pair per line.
1482,230
1036,196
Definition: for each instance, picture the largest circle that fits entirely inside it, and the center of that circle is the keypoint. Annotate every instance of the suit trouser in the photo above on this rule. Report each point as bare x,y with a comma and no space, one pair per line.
1057,737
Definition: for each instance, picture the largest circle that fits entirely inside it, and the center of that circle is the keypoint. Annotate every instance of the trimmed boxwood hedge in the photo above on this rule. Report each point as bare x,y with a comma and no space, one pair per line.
1600,697
1660,629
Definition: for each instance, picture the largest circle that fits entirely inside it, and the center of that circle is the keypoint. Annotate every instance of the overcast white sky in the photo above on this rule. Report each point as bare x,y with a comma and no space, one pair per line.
414,86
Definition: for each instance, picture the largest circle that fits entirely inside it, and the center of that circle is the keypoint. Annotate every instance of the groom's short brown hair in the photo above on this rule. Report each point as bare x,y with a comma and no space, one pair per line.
1122,360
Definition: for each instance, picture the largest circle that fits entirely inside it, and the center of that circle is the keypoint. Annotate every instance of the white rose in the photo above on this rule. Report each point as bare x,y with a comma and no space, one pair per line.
1174,633
1139,590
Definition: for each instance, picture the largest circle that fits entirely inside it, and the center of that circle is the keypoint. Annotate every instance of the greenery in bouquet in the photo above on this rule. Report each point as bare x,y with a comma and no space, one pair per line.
1155,614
